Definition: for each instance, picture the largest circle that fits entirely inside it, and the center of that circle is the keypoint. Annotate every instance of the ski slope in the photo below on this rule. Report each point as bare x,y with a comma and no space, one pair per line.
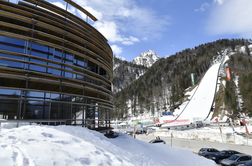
200,104
201,98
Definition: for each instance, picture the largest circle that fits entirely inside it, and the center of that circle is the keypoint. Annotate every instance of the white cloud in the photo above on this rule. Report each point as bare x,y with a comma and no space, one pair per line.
130,40
127,42
95,13
120,20
59,4
220,2
231,18
116,50
144,38
203,7
109,30
128,18
134,39
70,8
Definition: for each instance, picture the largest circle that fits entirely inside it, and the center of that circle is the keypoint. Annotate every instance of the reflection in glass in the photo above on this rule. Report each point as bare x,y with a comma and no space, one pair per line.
57,72
9,93
68,56
11,40
66,98
55,97
38,61
90,117
54,111
57,55
78,113
9,108
38,68
12,44
65,111
37,110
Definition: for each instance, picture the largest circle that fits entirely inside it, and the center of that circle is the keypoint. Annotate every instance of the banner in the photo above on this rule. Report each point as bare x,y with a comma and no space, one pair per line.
243,120
192,78
112,88
218,124
232,124
228,74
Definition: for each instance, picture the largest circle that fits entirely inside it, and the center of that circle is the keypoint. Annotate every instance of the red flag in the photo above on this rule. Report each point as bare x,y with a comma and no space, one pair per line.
228,74
218,124
243,120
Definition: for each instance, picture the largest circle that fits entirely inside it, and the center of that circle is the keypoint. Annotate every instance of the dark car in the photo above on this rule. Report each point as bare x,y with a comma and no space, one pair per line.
223,155
236,160
157,141
246,164
206,152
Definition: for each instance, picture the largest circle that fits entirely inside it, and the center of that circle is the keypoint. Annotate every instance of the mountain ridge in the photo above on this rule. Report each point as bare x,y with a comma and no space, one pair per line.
162,86
146,59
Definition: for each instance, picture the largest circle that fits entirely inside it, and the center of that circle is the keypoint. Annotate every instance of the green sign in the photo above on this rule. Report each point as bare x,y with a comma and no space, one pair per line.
192,78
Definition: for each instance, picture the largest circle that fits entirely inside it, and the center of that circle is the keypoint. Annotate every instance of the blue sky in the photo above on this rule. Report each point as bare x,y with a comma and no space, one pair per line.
166,26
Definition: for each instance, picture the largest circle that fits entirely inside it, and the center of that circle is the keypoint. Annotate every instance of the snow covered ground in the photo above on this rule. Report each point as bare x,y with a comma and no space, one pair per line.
69,145
211,134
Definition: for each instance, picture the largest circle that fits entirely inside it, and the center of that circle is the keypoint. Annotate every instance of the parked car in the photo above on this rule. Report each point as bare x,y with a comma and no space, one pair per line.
246,164
223,155
236,160
128,132
206,152
157,141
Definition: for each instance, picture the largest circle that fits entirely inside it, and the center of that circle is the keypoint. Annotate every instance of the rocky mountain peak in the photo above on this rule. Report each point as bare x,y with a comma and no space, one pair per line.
146,59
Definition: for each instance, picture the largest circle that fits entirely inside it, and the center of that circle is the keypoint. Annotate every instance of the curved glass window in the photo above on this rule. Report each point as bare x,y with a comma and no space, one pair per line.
92,67
12,44
10,93
68,56
41,51
79,61
57,72
37,110
38,61
57,55
15,64
38,68
11,63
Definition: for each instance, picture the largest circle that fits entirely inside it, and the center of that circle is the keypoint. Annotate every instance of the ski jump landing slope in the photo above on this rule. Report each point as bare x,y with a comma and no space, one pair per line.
200,104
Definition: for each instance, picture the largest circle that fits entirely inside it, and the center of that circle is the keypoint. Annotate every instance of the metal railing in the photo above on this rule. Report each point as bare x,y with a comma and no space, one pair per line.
38,121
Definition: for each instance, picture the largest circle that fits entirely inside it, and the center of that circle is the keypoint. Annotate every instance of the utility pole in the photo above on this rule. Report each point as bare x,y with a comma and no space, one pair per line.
171,139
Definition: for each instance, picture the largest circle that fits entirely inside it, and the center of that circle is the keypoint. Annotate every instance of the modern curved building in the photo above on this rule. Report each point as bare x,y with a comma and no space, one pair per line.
53,66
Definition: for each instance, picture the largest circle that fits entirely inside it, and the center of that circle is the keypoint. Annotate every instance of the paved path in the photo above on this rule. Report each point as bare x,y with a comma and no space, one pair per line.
195,145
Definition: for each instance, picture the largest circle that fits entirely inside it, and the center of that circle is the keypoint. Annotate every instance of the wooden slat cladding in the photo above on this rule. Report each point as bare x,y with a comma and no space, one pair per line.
81,63
70,16
56,62
56,46
55,27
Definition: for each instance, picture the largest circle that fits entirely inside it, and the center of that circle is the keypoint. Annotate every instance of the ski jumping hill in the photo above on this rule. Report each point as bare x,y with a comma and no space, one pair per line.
201,98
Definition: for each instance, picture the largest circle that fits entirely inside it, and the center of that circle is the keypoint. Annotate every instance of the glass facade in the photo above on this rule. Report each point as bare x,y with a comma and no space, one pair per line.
50,81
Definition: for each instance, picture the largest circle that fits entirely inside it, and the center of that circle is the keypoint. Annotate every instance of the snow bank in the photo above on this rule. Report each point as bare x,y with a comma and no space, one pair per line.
68,145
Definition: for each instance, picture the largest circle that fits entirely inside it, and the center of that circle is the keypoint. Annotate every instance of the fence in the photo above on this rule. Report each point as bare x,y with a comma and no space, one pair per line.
127,127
